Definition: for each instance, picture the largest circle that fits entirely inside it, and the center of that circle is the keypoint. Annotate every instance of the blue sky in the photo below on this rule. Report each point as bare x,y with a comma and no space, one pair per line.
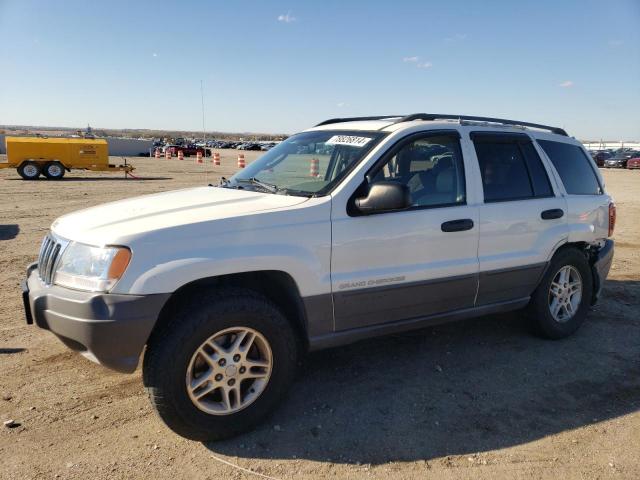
273,66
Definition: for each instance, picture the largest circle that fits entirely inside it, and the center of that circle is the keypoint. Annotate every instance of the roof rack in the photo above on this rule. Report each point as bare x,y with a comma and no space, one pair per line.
439,116
356,119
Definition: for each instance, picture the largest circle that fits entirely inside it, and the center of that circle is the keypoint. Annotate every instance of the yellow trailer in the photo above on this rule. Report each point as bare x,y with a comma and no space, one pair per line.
51,157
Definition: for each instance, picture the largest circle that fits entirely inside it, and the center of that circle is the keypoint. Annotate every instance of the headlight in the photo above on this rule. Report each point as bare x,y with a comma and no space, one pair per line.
91,268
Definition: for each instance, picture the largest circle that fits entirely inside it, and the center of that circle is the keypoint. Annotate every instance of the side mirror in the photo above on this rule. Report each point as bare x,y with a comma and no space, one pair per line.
384,197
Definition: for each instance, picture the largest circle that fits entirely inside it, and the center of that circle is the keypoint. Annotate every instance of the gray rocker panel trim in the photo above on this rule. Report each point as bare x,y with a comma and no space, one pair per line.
365,310
509,283
390,303
319,314
353,335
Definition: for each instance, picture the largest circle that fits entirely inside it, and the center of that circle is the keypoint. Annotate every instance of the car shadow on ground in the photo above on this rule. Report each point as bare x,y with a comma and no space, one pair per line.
456,389
11,351
9,232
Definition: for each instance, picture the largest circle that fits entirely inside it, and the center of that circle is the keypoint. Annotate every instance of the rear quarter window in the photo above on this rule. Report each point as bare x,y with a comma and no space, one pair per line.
573,166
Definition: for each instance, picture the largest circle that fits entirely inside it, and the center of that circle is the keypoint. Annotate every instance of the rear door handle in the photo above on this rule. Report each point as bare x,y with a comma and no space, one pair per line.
457,225
552,214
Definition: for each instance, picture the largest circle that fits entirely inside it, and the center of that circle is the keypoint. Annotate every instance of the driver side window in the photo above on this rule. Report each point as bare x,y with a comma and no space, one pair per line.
432,168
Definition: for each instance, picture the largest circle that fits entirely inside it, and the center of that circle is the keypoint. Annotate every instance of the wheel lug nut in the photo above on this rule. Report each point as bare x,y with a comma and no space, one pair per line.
236,357
222,362
231,382
218,377
242,369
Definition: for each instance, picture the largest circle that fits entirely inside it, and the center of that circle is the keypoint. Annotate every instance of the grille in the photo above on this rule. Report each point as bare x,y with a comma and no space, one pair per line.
48,258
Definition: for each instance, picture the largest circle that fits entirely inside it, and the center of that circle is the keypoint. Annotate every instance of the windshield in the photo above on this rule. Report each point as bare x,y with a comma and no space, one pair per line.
309,163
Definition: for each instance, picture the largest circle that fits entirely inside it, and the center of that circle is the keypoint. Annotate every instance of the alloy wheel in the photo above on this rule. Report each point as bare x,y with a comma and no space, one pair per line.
229,371
565,294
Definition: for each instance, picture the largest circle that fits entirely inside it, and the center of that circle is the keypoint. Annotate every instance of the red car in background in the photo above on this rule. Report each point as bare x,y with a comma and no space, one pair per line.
634,162
187,150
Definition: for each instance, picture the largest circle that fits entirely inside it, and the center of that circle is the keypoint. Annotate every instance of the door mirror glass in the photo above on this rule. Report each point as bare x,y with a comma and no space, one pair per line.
384,196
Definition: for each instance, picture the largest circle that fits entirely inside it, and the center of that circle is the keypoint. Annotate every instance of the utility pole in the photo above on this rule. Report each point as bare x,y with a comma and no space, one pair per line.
204,135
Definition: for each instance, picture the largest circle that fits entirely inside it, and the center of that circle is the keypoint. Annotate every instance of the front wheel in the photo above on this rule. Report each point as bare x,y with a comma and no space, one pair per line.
29,170
560,303
220,365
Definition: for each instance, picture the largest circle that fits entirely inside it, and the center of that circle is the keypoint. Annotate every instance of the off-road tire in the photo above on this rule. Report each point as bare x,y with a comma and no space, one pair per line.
53,171
25,169
539,313
170,348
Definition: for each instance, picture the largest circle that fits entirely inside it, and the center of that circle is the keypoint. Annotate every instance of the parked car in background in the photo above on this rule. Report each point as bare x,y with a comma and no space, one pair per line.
248,146
600,156
634,162
619,160
187,150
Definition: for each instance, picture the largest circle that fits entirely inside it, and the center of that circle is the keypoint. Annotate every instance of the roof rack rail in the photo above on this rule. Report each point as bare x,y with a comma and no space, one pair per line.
439,116
356,119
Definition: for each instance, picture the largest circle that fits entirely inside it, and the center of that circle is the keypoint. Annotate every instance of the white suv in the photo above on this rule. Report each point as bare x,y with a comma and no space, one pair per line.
355,228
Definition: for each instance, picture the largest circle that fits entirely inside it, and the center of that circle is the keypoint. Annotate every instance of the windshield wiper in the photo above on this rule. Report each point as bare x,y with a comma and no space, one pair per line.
254,181
296,193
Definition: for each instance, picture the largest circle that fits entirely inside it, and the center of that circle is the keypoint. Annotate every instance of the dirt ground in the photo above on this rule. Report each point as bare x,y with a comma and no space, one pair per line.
475,399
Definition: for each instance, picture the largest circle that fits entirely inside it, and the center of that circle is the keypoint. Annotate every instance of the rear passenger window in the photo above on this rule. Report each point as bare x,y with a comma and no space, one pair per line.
539,178
510,167
573,166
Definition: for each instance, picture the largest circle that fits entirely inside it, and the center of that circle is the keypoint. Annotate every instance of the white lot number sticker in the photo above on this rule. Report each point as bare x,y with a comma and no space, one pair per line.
350,140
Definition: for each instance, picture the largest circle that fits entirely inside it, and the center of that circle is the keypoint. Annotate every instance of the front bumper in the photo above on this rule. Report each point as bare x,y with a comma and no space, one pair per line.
600,268
110,329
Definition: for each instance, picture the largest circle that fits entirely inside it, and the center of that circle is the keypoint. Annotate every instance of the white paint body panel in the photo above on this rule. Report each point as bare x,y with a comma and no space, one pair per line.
408,244
181,236
512,234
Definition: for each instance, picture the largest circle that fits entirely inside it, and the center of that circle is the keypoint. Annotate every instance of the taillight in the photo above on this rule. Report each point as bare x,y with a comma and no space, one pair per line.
612,217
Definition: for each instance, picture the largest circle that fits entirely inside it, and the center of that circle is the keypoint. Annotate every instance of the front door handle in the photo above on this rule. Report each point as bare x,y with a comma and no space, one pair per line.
457,225
552,214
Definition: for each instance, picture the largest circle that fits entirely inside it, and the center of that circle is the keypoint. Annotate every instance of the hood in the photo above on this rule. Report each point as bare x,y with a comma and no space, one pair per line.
115,222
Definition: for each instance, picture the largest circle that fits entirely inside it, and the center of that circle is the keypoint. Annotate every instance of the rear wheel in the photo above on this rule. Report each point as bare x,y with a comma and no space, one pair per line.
221,365
29,170
560,303
53,170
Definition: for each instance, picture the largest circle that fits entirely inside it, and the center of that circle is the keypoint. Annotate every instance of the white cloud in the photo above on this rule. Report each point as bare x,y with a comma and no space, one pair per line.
615,43
342,104
416,61
288,18
458,37
154,55
566,84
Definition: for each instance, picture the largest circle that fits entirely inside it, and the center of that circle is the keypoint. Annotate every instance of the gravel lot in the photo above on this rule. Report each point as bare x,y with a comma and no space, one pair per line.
475,399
